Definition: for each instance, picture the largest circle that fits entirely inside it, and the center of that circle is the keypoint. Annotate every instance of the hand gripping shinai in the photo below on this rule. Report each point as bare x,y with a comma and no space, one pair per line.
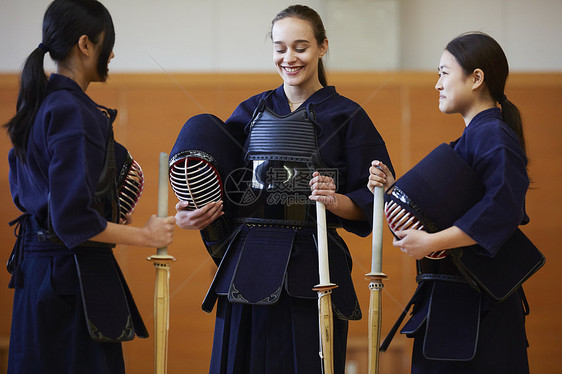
324,289
375,286
162,262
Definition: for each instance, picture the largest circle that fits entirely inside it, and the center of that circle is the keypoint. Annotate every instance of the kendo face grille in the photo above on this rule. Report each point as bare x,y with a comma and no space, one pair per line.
400,219
131,190
196,181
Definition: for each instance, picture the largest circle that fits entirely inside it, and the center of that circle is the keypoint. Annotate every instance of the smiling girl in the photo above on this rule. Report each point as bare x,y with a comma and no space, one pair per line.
482,335
267,311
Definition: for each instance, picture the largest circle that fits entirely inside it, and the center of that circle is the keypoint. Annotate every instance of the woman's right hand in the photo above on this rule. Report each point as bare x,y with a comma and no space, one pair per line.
159,231
197,219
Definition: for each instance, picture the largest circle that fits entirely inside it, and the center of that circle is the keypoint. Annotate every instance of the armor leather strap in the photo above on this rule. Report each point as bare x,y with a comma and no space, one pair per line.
106,198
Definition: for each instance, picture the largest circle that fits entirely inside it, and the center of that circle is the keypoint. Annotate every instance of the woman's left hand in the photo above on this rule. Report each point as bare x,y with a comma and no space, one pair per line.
414,243
323,189
418,243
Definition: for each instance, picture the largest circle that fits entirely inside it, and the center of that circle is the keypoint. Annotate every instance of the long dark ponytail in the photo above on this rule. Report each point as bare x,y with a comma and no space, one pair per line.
33,88
476,50
65,21
308,14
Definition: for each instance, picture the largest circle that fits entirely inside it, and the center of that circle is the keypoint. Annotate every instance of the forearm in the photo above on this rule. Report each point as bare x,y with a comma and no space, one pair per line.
453,237
345,208
122,234
158,232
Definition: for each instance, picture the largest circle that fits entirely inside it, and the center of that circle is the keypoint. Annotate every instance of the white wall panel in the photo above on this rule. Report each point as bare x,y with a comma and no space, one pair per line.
231,35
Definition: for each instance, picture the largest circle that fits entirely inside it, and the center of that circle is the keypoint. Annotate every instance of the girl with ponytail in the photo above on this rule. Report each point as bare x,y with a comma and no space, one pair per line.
60,35
474,51
63,178
457,329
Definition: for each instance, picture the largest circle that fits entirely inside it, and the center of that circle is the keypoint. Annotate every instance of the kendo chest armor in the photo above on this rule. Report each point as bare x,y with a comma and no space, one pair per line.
281,154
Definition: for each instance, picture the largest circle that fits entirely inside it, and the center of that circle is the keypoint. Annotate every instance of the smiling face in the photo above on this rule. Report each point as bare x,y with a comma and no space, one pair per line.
454,86
296,52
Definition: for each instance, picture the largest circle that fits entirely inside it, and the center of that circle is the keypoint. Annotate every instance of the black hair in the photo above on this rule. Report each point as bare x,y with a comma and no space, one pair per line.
311,16
477,50
65,21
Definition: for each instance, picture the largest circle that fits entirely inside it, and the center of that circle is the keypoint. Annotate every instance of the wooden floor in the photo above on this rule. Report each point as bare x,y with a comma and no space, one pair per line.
403,106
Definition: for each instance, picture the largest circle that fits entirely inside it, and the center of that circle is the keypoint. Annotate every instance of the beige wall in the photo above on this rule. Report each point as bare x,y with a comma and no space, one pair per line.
403,106
228,36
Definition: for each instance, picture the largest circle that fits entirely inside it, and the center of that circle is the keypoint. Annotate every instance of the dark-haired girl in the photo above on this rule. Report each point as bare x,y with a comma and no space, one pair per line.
267,311
72,307
485,336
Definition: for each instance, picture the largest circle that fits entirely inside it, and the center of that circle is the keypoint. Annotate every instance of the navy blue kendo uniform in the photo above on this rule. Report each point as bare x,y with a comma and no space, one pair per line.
66,189
456,327
267,312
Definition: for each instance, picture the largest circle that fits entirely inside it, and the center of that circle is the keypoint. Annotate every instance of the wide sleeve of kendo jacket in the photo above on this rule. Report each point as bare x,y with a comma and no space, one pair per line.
493,151
76,135
350,142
